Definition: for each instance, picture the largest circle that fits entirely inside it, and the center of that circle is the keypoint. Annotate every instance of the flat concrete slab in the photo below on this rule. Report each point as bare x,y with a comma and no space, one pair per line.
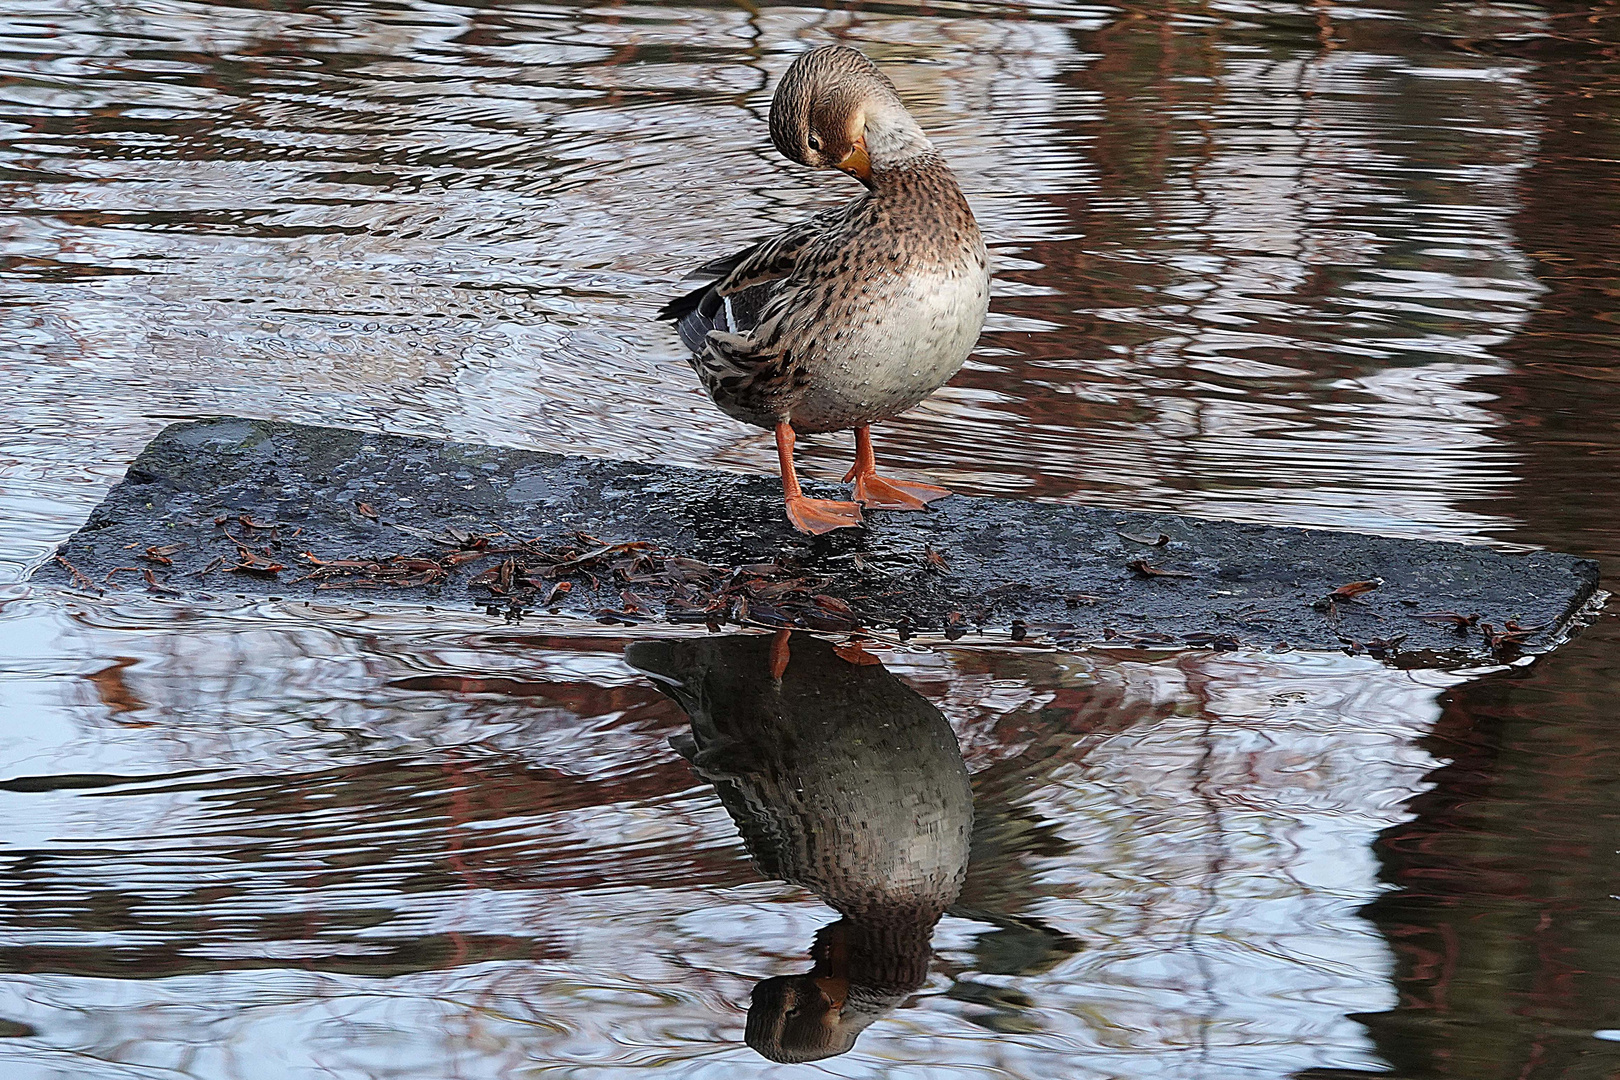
231,506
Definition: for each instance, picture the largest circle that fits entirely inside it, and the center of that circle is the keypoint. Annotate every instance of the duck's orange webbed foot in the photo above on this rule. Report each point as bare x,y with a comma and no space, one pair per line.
813,516
881,493
817,516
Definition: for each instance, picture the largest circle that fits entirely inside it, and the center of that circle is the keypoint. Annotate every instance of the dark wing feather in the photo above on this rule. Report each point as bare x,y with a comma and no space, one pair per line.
710,273
738,286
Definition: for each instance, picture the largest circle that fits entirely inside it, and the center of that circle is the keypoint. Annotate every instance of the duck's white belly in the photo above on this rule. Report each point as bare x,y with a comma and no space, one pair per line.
911,335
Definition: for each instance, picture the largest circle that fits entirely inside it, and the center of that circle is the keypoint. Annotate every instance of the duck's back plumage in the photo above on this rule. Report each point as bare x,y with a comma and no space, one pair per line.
735,289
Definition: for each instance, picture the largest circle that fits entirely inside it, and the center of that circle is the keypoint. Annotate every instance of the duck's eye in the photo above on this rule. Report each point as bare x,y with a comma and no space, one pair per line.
815,143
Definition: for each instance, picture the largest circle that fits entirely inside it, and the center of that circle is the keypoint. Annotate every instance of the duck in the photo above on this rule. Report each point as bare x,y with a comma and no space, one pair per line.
857,313
844,781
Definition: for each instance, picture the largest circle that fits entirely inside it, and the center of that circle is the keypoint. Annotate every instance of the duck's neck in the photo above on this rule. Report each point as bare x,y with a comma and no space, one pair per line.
925,169
894,141
892,952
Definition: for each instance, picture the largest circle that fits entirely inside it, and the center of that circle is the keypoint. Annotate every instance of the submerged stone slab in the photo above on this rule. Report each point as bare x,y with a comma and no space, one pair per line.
231,506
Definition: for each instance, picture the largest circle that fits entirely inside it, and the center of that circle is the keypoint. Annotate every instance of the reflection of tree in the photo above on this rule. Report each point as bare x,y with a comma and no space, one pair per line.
1503,920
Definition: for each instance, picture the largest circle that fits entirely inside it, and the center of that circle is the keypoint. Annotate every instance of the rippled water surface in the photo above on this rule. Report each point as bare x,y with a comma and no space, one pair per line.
1351,264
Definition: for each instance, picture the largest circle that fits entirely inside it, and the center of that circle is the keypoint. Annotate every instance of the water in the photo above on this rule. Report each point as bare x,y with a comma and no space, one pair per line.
1328,263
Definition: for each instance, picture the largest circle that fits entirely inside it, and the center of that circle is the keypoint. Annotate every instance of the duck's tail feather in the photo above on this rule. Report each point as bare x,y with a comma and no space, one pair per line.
682,306
699,317
703,309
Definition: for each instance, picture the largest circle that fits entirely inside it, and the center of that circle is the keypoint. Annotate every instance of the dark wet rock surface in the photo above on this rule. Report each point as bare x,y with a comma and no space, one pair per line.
231,506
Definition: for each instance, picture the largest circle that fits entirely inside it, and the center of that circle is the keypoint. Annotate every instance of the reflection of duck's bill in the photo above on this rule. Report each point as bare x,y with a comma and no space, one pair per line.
835,990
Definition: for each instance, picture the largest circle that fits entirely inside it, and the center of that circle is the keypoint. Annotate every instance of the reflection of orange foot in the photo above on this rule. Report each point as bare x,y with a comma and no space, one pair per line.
781,653
817,516
880,493
851,652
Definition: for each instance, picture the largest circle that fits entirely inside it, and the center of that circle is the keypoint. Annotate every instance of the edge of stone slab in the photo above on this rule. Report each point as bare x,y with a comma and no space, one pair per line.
1584,573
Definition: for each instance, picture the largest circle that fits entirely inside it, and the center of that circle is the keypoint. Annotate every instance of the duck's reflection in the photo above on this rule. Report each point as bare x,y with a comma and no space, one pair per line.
845,781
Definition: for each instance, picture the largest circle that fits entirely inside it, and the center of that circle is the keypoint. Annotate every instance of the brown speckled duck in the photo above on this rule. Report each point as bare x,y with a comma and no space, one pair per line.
856,314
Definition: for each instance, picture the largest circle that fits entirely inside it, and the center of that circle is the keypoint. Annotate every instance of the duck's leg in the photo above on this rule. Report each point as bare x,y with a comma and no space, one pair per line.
814,516
880,493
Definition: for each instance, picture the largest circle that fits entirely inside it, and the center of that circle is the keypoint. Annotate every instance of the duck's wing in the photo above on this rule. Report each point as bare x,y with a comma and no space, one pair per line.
735,289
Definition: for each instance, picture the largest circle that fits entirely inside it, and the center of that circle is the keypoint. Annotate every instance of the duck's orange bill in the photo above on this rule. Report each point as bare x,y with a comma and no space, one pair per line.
856,163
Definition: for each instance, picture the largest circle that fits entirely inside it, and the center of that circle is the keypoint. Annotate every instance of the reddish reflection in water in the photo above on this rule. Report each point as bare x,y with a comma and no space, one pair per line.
1505,924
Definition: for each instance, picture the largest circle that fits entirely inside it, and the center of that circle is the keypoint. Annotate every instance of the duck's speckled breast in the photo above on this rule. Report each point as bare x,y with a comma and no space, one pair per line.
899,297
909,333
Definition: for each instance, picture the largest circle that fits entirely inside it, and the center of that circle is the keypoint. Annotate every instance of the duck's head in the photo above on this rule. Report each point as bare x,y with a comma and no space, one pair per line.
862,972
835,110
